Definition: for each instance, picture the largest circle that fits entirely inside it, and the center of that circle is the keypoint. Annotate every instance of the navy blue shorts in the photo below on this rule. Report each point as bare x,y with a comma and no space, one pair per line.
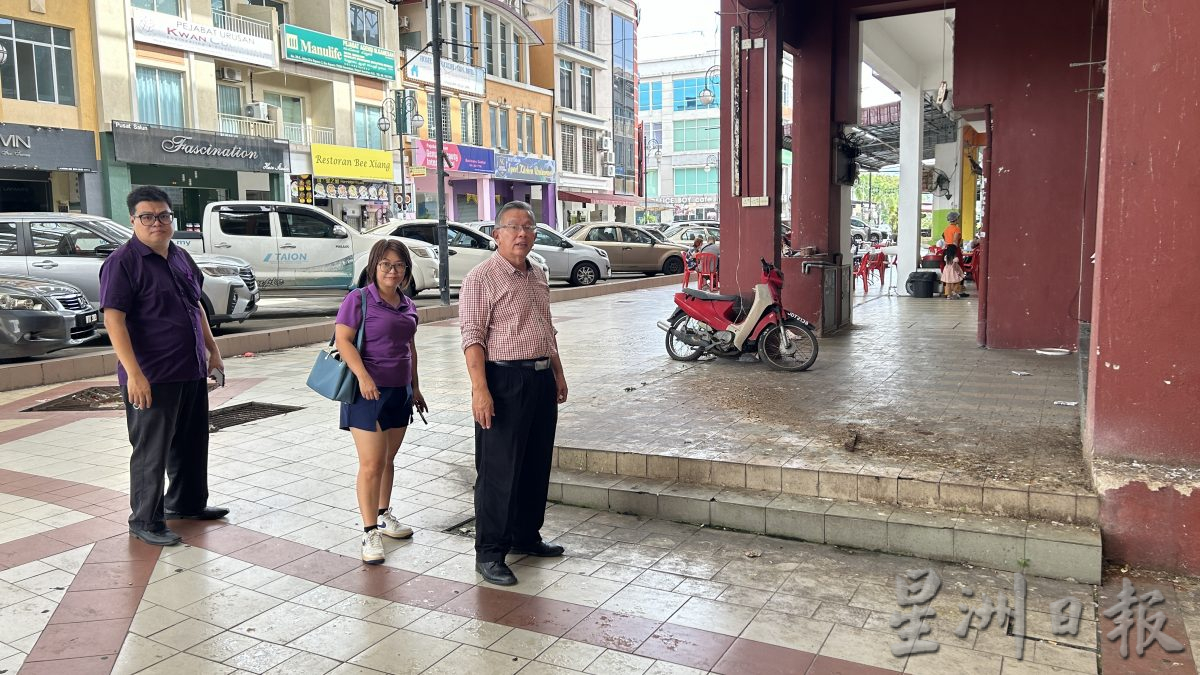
392,410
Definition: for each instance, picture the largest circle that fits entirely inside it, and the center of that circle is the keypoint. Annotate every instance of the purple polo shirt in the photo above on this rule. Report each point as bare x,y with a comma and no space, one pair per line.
160,297
386,351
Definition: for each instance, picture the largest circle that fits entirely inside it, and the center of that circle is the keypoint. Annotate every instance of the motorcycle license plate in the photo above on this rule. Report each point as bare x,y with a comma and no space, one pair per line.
87,319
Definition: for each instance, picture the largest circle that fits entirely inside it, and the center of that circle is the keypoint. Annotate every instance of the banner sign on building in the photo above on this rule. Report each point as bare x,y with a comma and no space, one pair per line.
305,188
528,169
328,51
47,149
166,30
137,143
344,162
468,158
463,77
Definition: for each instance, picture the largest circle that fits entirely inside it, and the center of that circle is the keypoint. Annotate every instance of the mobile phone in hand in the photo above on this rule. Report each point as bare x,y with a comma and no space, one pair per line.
219,376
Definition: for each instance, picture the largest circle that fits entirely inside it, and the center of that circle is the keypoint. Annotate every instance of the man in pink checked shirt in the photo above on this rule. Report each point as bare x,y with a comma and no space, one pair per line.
517,383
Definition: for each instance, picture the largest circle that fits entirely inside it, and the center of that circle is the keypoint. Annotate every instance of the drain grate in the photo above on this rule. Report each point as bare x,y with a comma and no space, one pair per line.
92,398
464,529
229,416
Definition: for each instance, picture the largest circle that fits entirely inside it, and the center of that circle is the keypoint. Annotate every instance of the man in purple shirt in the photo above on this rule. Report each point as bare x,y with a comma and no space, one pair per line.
150,292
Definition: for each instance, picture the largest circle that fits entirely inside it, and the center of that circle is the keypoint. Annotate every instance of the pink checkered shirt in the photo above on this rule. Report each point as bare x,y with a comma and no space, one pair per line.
507,311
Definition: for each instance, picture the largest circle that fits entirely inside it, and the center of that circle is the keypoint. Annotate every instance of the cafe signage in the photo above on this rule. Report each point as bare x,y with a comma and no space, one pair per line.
305,188
47,149
345,162
529,169
418,67
138,143
468,158
158,28
328,51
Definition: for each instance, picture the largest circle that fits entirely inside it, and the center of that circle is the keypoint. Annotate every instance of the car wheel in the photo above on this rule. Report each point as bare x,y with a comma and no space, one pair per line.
673,265
584,274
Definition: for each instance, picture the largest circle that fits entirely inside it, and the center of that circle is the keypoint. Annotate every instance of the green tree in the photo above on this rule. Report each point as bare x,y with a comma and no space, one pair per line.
881,190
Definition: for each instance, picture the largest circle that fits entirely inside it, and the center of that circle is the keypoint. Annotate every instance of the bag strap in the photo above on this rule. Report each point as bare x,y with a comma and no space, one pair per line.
362,327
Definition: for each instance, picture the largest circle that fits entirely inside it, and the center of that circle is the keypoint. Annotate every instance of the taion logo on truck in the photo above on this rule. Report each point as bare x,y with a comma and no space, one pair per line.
286,257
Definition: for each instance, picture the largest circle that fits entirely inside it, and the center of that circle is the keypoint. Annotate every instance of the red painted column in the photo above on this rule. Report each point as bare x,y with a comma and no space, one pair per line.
749,159
1144,384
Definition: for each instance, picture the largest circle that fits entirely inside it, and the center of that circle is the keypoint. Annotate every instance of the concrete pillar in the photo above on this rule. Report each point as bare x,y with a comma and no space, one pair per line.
909,230
1143,389
549,206
487,199
116,180
279,186
91,194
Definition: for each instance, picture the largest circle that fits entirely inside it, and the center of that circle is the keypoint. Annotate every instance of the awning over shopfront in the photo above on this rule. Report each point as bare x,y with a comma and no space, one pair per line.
599,198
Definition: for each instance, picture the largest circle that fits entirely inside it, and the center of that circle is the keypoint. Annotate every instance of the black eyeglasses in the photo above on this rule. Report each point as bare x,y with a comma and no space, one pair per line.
385,267
147,219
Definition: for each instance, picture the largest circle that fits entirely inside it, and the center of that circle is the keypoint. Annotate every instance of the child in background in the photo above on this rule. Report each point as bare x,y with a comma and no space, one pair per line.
952,274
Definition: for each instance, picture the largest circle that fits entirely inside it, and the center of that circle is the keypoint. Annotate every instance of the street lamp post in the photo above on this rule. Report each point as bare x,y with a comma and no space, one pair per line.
707,96
396,112
648,144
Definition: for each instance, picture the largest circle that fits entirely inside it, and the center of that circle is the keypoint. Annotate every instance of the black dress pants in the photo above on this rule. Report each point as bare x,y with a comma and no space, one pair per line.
170,438
512,460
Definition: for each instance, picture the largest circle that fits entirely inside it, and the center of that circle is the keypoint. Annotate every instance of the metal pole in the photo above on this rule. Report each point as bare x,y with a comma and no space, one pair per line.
645,186
443,247
401,100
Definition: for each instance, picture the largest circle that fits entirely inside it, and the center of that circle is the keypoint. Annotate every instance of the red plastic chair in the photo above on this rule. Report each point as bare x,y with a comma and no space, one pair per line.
871,262
706,271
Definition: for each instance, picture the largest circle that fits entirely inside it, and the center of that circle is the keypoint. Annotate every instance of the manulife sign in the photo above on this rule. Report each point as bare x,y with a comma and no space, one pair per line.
328,51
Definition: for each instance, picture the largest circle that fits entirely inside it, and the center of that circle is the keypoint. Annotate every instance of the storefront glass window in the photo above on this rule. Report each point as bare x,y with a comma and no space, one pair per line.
39,66
364,25
160,96
366,126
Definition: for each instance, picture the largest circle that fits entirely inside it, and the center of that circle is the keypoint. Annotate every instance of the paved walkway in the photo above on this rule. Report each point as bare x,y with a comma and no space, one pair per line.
278,587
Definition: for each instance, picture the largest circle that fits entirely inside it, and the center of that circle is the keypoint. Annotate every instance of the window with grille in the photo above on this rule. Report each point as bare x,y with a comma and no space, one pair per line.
589,152
697,135
39,64
433,120
472,125
566,78
587,17
565,28
569,162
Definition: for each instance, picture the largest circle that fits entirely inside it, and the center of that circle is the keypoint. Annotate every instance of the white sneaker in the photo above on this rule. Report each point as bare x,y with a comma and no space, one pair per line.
391,527
372,547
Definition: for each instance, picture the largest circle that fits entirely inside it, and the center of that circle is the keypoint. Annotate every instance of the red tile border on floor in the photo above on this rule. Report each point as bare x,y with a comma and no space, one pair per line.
320,566
485,604
74,640
89,665
427,592
225,540
546,616
688,646
749,656
100,605
1155,659
613,631
124,574
827,665
272,553
374,580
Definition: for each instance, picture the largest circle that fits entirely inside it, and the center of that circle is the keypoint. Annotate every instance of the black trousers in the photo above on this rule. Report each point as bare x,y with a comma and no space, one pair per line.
512,460
170,438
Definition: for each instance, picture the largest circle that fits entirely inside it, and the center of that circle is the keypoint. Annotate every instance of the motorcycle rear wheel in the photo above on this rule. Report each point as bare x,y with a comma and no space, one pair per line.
803,346
678,349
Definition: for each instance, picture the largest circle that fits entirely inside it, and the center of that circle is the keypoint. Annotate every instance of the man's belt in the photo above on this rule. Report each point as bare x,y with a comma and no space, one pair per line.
530,364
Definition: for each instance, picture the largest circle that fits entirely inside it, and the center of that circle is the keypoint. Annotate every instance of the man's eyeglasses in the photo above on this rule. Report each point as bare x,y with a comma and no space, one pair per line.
522,228
385,267
147,219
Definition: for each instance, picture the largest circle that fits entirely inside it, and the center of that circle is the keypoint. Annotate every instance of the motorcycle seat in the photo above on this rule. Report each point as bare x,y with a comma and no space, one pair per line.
702,295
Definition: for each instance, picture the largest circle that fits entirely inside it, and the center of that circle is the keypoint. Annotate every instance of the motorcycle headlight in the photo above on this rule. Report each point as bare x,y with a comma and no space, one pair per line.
26,302
219,271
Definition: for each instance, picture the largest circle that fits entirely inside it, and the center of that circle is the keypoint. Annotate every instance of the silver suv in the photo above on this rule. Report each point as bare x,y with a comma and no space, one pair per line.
41,316
70,247
578,263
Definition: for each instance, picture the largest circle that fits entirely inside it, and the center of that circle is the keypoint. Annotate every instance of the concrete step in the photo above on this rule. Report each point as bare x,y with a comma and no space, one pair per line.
1048,549
844,480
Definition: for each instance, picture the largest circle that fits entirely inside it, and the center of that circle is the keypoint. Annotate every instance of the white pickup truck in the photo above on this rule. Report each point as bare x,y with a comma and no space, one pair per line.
297,246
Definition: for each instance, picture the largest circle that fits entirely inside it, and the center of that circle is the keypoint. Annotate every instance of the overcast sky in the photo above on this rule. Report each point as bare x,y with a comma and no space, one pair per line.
688,27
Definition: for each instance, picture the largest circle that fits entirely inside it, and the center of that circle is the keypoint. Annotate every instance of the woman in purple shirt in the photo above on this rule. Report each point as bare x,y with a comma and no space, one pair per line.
386,369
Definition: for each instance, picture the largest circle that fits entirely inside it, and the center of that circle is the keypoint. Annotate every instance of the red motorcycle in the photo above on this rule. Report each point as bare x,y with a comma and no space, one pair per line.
730,325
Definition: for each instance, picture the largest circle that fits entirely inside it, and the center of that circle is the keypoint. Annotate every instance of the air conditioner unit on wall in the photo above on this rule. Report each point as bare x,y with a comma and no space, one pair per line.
610,170
229,74
610,157
256,110
606,143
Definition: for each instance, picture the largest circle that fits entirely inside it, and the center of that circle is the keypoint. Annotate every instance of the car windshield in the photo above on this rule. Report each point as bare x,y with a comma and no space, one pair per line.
658,236
570,232
110,230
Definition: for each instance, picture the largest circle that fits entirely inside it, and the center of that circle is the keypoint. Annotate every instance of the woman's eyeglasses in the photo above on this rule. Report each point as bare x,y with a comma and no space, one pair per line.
385,267
147,219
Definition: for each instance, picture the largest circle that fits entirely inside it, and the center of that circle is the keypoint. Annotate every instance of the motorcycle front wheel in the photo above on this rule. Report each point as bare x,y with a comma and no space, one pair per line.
801,352
678,349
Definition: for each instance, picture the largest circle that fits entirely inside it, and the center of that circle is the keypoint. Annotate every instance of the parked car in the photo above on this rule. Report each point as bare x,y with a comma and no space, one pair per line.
467,246
71,247
296,245
580,264
38,316
631,248
862,231
686,233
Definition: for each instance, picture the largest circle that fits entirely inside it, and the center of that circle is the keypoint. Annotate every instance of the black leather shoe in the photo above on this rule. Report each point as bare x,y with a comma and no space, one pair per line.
540,549
163,537
496,572
209,513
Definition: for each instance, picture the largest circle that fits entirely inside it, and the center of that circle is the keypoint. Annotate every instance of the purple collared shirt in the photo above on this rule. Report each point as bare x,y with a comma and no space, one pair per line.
161,298
386,351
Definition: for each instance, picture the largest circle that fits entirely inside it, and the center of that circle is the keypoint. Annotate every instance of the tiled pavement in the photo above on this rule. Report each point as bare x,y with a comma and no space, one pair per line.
279,589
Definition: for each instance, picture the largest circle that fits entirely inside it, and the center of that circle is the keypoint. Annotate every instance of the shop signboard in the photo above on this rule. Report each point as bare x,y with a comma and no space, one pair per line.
337,188
335,53
47,149
340,161
418,67
137,143
527,169
166,30
468,158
